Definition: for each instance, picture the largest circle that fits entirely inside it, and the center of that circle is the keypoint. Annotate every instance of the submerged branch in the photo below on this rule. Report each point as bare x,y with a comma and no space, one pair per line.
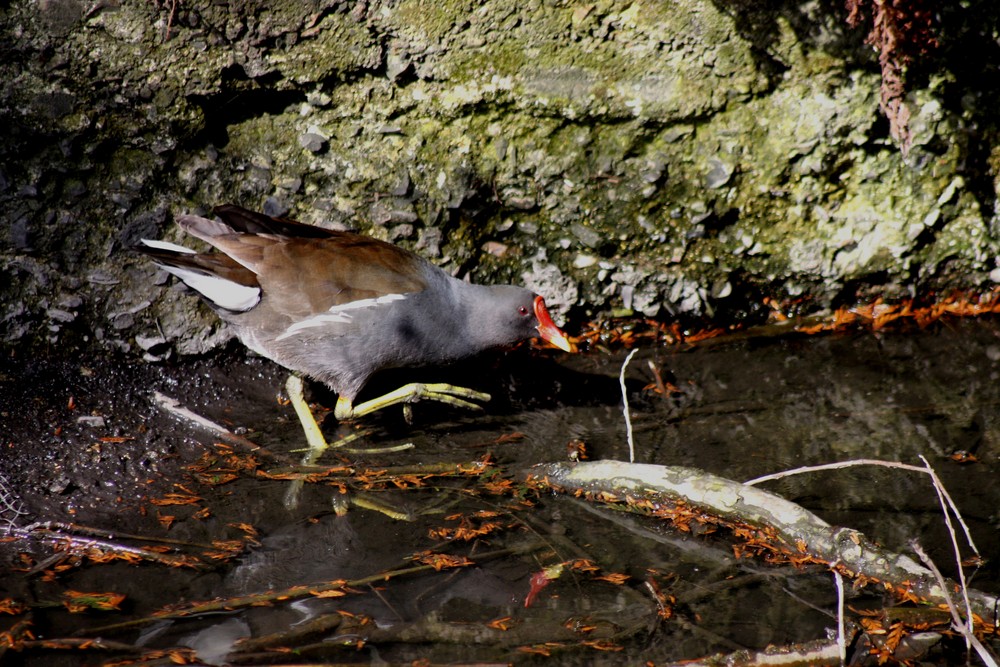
173,406
769,523
815,653
65,538
326,589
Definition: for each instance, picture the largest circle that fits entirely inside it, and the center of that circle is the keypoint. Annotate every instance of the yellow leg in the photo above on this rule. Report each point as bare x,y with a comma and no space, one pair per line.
411,393
314,436
318,444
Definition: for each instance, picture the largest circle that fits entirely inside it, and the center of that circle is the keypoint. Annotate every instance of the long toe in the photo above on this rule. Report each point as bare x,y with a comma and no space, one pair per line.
443,393
435,390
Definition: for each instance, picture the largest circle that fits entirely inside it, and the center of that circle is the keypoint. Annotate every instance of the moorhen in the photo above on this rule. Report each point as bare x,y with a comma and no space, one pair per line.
340,307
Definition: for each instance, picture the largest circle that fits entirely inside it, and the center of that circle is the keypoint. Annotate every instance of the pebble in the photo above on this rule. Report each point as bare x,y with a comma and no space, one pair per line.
719,173
59,315
312,142
495,248
396,65
586,236
275,207
100,277
147,342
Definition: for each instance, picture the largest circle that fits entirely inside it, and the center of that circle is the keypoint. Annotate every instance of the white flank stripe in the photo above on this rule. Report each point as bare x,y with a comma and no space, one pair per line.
338,314
167,245
223,293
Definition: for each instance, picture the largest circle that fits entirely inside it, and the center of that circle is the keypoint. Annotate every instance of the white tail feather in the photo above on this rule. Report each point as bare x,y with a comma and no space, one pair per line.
223,293
167,245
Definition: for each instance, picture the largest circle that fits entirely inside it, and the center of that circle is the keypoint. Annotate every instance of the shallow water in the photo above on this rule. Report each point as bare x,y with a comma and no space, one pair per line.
740,410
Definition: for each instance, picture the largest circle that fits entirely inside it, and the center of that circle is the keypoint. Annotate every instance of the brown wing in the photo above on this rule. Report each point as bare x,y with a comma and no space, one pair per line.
313,276
305,270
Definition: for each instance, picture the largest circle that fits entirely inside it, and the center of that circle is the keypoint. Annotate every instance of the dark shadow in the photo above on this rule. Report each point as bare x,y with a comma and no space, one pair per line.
239,99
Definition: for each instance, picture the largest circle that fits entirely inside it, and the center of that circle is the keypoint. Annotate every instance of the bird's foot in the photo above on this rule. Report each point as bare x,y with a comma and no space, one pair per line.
317,443
460,397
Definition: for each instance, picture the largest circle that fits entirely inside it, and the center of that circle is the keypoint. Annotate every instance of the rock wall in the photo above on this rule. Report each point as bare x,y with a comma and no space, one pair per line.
659,157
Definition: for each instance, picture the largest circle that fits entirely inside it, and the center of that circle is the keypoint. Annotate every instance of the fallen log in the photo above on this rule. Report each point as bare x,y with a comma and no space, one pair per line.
765,524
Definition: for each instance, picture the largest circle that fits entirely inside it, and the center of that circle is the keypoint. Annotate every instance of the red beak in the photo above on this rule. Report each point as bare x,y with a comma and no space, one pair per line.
547,329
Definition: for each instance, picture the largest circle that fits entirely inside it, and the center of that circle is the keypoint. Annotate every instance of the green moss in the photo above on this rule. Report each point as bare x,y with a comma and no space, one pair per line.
335,47
645,136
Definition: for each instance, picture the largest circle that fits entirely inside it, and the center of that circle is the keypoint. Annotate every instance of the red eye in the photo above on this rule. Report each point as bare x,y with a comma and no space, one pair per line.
523,310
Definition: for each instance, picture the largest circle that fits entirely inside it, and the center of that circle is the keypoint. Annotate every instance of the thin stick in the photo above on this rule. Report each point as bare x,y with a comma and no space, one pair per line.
925,469
835,466
173,406
841,635
84,545
76,529
378,450
936,483
962,626
628,417
939,486
194,609
443,469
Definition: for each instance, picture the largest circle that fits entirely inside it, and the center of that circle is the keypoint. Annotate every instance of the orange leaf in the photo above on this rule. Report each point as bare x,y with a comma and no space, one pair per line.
77,601
335,593
503,624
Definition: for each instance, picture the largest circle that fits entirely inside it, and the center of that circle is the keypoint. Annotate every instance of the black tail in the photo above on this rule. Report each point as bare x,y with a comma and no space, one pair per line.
251,222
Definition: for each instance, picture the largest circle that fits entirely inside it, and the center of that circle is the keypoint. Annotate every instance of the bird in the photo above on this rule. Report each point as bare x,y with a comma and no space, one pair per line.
340,307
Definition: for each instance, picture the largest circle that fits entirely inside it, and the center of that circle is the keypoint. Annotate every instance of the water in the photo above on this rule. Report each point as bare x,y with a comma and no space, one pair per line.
738,410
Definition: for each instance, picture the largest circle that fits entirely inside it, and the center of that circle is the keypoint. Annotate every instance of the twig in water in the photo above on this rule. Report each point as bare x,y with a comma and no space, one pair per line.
789,528
943,495
628,417
100,548
943,498
939,489
946,504
841,636
962,626
174,407
317,589
833,466
661,388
